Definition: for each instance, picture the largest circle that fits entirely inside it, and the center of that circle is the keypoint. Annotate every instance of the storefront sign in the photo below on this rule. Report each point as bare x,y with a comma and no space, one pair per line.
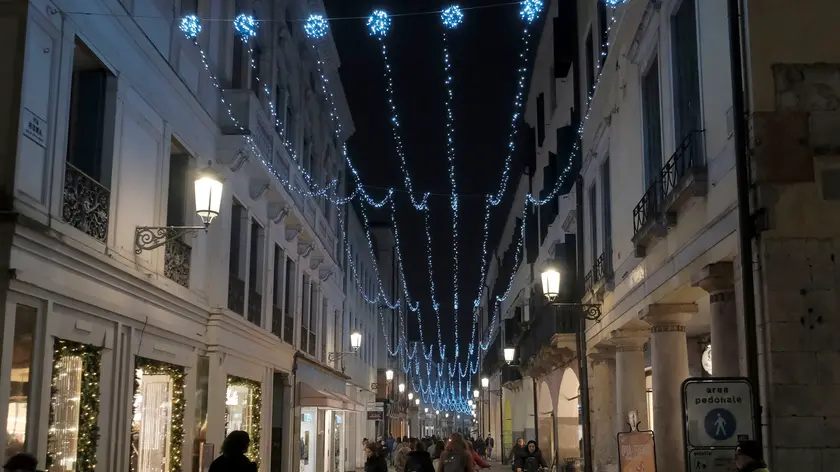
378,406
375,415
717,414
636,452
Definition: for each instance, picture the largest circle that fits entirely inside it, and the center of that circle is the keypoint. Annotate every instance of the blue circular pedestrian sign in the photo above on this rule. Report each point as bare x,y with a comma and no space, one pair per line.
720,424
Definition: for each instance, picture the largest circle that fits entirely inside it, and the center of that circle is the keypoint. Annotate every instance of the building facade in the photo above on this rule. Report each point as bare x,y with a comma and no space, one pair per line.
110,113
666,222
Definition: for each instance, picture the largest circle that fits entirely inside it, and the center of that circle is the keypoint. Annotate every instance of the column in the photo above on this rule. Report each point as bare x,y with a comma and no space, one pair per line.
630,391
718,280
669,361
602,408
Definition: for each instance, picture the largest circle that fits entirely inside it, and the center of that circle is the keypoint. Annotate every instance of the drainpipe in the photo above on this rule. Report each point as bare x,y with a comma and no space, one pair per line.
536,414
580,335
746,227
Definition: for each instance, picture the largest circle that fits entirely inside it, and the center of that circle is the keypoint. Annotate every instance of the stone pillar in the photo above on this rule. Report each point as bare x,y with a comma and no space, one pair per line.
669,360
717,280
630,377
603,409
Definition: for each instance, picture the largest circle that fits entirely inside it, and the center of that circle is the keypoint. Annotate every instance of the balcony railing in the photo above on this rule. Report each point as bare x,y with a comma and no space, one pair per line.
254,307
86,203
549,320
176,262
277,321
289,329
648,208
236,294
682,163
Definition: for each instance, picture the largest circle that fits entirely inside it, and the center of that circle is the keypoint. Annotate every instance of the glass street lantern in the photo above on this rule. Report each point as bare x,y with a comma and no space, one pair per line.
208,195
509,353
447,415
389,375
426,410
485,382
551,282
476,393
410,396
470,402
417,401
401,387
355,340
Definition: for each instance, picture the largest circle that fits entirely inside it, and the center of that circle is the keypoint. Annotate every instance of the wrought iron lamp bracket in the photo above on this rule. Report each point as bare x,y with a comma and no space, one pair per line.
147,238
590,311
334,356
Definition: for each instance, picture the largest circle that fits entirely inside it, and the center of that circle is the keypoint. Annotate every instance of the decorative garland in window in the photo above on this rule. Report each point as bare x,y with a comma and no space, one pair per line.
88,427
256,412
177,374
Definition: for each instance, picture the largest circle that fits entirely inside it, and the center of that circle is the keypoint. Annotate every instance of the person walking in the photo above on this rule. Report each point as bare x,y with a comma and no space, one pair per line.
490,443
401,451
375,459
456,456
530,459
514,452
418,460
233,457
749,457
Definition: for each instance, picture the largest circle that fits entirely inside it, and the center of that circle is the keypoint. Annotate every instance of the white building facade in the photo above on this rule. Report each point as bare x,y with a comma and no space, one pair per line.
164,350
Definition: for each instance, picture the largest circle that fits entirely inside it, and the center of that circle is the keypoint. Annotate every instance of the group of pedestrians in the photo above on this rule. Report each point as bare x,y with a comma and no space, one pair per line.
430,454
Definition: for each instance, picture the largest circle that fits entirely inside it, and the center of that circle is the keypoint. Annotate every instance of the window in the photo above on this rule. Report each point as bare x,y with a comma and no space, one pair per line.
686,74
593,223
552,93
540,119
604,36
606,209
90,134
23,348
277,293
313,317
324,320
589,66
652,123
304,312
289,302
338,331
189,7
255,274
236,269
177,252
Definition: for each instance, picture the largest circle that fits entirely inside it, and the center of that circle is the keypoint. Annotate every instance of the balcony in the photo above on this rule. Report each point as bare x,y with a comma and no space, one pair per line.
650,221
277,321
600,279
254,307
549,343
176,262
236,294
86,203
684,175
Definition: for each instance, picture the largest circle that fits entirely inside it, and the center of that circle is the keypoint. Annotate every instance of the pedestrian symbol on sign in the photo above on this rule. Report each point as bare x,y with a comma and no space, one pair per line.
720,424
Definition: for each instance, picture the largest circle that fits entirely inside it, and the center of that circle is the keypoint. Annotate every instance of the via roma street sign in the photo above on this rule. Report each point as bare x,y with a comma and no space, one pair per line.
717,413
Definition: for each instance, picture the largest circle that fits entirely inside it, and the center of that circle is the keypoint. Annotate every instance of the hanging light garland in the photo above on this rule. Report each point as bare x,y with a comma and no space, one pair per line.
379,23
245,26
191,26
316,26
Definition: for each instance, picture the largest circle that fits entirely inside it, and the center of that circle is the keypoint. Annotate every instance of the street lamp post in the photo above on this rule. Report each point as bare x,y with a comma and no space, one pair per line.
551,278
355,344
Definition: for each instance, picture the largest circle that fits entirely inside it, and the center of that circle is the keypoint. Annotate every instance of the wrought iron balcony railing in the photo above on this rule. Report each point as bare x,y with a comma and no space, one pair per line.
277,321
685,160
648,208
85,204
289,329
176,262
236,294
549,320
254,307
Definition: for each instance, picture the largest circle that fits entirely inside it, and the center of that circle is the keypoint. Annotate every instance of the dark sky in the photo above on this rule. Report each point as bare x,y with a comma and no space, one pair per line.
484,53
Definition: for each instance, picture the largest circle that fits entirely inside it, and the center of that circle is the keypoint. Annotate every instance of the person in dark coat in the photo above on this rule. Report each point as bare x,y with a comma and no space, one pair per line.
21,462
376,461
233,454
530,458
514,452
418,460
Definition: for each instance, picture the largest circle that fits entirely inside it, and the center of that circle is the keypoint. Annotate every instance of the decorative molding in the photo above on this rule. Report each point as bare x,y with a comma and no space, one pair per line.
305,248
258,187
293,231
235,162
315,262
324,273
277,212
668,328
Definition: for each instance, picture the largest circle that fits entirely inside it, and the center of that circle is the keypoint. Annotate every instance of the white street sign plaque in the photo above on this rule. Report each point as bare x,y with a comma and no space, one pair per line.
375,406
718,413
711,460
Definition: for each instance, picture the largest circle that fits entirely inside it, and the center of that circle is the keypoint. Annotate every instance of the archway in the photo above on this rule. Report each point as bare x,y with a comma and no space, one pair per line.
545,424
507,426
569,431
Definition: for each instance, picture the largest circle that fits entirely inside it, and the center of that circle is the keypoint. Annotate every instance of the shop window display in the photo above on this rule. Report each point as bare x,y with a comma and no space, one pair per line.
157,426
242,411
19,386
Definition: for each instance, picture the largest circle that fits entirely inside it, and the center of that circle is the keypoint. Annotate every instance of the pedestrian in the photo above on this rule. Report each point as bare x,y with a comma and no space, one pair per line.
477,459
418,460
21,462
530,459
479,446
749,457
456,456
514,452
490,444
437,449
233,457
401,454
375,461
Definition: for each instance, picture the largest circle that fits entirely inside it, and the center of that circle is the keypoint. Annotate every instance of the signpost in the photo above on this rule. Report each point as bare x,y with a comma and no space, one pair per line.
717,414
636,449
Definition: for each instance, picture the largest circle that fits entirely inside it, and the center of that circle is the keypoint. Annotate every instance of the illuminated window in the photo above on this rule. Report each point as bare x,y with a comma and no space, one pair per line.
64,427
242,411
157,422
19,386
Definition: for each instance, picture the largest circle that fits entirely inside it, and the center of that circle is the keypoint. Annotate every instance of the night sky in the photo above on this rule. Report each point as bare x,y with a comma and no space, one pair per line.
484,53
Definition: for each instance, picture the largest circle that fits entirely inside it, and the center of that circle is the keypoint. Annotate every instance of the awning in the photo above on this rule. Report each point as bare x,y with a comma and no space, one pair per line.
315,398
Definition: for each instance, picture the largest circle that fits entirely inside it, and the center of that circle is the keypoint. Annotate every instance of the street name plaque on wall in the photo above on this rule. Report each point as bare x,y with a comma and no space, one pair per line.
636,452
717,413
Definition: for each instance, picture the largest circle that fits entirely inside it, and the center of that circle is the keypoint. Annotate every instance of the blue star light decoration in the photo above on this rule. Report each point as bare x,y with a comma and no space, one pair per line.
615,3
316,26
530,10
245,26
190,26
452,17
379,23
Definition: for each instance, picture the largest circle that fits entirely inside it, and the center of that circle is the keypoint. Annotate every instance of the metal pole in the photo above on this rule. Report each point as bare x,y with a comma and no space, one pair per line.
536,413
503,453
583,368
746,228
